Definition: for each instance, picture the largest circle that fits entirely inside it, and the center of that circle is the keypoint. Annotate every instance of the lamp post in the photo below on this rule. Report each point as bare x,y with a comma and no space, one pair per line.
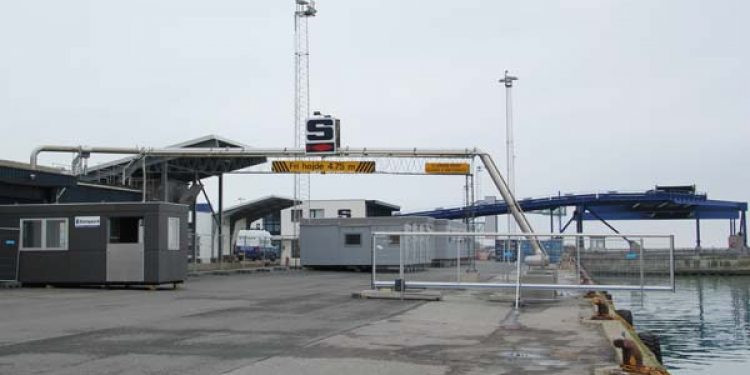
510,154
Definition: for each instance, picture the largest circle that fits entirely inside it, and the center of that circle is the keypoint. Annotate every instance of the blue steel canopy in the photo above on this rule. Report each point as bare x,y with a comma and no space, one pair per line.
649,205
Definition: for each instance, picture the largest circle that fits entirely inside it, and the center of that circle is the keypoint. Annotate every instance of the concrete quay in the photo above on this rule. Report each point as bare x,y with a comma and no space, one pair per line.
291,322
687,262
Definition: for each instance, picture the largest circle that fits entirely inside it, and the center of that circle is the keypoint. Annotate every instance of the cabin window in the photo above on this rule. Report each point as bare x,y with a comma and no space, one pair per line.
353,239
296,215
345,213
125,229
173,233
394,240
56,233
44,234
317,213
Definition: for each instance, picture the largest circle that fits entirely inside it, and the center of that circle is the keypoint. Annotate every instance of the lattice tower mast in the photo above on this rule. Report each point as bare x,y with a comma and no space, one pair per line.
304,10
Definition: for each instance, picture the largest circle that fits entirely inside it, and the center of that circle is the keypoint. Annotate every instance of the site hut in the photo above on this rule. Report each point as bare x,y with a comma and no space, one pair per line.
94,243
322,209
20,184
342,243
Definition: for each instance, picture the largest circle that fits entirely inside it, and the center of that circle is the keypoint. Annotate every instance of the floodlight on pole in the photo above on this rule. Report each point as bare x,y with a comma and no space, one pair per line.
507,80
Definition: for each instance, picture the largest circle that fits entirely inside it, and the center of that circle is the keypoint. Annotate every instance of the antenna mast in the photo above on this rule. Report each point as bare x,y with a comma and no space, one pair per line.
304,10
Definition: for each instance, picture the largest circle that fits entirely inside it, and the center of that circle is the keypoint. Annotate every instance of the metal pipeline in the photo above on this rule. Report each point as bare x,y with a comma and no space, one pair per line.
513,206
253,152
489,165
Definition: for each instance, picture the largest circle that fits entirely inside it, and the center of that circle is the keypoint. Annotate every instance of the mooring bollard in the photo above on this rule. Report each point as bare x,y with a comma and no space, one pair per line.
602,309
631,354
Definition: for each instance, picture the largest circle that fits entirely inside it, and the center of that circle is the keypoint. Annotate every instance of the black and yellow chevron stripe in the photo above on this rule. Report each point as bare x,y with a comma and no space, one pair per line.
295,166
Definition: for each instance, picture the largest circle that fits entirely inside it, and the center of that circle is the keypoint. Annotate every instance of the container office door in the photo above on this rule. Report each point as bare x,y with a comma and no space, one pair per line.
9,254
125,256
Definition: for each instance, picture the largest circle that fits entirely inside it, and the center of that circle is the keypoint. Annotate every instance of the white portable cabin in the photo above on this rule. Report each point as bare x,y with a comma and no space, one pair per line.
347,243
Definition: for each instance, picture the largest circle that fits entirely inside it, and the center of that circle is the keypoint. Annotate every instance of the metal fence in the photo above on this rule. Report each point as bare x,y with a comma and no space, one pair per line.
470,260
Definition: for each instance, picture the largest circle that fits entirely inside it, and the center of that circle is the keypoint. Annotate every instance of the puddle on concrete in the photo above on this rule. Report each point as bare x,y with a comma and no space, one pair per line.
539,359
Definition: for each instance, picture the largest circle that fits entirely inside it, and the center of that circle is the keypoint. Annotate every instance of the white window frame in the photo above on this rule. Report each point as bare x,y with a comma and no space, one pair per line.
171,220
44,247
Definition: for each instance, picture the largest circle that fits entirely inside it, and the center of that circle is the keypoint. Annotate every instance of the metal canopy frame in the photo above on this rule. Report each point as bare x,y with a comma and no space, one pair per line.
300,153
615,206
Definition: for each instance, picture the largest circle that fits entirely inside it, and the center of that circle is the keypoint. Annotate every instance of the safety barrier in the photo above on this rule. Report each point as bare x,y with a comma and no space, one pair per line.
413,260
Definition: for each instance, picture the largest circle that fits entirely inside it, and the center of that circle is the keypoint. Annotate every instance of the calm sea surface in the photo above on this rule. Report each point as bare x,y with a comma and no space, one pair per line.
704,326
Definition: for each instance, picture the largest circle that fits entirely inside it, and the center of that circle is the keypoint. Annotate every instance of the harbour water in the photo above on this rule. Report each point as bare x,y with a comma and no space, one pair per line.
704,326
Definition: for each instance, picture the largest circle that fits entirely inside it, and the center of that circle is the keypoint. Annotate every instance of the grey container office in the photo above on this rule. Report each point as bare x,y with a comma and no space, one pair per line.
347,242
448,249
94,243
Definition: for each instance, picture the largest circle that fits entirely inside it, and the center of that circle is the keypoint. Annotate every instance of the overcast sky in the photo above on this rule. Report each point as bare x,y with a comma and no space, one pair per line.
613,95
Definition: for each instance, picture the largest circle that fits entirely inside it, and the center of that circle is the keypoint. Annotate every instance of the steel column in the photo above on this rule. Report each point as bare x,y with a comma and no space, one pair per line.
221,216
559,216
580,210
195,234
743,225
551,220
697,231
195,222
145,176
165,181
374,266
579,218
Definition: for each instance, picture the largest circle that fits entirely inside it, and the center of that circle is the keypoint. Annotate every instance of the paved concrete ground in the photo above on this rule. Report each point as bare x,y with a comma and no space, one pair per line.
286,323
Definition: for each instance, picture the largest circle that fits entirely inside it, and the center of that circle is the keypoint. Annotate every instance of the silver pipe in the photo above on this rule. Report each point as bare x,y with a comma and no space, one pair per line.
258,152
469,285
510,200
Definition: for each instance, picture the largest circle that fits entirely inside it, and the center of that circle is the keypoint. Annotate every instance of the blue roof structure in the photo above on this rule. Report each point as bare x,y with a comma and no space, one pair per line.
661,203
649,205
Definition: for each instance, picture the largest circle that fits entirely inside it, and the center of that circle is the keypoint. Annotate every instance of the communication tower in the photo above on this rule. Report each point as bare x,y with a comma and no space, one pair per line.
304,10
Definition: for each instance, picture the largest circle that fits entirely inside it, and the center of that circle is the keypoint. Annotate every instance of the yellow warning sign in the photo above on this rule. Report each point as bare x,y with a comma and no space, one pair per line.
446,168
320,166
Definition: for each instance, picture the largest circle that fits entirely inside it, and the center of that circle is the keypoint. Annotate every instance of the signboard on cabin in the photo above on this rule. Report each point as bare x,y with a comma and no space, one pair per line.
87,221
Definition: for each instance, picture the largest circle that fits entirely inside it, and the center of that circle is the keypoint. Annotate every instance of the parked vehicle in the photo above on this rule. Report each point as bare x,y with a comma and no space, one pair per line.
255,244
